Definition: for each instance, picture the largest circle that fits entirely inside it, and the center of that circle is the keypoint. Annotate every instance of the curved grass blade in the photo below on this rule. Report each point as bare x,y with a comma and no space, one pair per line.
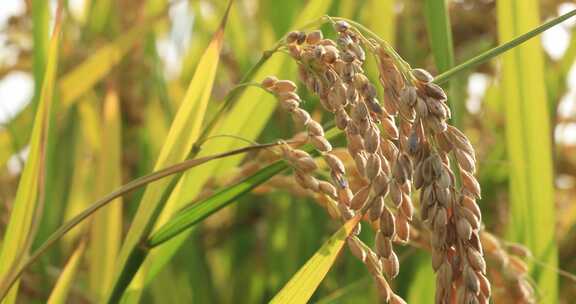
303,284
246,117
10,279
184,131
529,144
29,195
66,279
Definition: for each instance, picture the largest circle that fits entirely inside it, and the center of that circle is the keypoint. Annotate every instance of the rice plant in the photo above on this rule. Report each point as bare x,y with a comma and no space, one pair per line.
287,152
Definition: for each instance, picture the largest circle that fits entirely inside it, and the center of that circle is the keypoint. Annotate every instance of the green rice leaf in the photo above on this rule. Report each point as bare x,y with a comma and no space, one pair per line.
29,195
439,33
529,143
201,210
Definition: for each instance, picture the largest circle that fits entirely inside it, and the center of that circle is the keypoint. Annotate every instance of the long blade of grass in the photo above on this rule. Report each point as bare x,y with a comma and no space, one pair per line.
439,33
247,117
106,226
201,210
40,21
30,191
184,131
302,285
532,207
514,41
66,279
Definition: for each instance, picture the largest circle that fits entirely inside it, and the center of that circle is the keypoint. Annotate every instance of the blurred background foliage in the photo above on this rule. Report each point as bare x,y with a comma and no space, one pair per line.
123,70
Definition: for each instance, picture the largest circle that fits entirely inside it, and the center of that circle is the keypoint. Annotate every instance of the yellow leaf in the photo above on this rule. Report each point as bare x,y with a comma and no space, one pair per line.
86,142
83,77
303,284
66,279
18,233
106,226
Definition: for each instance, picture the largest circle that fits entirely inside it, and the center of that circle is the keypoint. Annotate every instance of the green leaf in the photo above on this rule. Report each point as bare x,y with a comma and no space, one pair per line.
529,143
8,281
66,278
422,282
99,15
29,195
201,210
40,21
303,284
440,37
439,33
197,211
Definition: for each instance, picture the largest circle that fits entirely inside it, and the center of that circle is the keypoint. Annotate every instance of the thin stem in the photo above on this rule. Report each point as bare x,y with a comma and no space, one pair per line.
232,96
404,66
502,48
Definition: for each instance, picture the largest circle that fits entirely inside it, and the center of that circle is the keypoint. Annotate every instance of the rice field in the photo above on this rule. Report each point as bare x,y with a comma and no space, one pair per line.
306,151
